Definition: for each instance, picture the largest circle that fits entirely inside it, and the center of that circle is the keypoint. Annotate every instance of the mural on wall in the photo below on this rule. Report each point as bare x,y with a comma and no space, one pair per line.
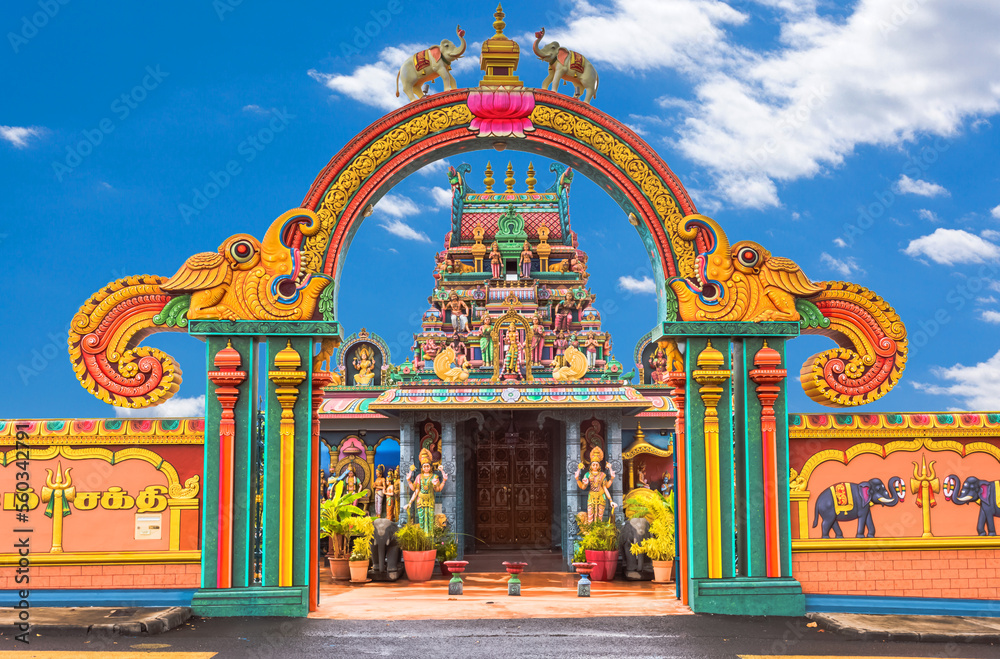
873,470
360,466
78,497
591,436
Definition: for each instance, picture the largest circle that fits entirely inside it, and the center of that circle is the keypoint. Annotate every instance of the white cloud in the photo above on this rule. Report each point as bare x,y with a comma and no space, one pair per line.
441,197
436,168
19,135
405,231
995,212
907,185
928,215
173,408
990,234
840,242
254,109
953,246
978,387
843,267
991,317
633,285
372,84
397,206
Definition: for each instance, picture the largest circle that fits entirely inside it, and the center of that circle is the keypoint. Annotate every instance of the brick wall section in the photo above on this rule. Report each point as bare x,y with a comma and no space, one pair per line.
956,573
106,576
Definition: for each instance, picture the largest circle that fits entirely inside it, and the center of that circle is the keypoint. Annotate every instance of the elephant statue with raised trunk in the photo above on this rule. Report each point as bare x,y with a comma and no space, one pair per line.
386,555
976,490
430,64
846,501
566,65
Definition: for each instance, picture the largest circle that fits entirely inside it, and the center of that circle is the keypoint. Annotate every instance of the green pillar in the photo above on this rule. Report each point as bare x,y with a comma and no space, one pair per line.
728,575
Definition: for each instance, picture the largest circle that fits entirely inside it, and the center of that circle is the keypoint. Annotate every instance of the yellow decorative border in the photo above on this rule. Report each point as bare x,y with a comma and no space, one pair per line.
102,440
910,445
107,558
894,544
188,491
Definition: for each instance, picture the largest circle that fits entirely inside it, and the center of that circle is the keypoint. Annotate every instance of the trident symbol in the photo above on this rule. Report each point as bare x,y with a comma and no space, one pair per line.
925,482
58,493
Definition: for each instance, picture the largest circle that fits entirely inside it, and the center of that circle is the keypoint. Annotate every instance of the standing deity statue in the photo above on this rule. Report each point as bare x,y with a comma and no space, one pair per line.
461,351
424,485
526,261
597,482
564,312
592,344
391,489
560,344
512,350
379,487
496,261
537,340
486,341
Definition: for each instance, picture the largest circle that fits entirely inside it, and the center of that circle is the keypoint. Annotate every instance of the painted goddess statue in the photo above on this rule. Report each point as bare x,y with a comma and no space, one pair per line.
496,261
526,261
512,349
424,485
364,363
598,483
486,341
379,487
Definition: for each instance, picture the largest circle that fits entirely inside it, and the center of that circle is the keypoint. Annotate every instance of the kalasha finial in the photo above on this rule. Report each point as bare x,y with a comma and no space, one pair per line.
498,24
531,180
509,181
488,181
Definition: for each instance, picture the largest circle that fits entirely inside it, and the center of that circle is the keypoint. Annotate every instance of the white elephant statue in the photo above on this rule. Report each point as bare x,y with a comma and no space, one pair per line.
566,65
429,65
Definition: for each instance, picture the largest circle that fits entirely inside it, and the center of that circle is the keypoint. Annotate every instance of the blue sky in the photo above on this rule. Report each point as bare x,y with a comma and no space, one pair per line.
859,139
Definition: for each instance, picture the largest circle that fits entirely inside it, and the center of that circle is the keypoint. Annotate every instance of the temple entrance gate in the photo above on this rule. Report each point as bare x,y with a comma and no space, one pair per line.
281,291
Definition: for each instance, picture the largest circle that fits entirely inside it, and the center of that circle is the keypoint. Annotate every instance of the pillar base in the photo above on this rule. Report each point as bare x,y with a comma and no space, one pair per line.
260,601
749,596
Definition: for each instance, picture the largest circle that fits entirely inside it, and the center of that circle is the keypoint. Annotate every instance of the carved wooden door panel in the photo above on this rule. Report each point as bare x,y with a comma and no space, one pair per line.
513,496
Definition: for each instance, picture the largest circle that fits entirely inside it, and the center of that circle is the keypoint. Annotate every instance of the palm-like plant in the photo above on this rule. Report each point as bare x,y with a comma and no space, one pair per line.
334,519
659,546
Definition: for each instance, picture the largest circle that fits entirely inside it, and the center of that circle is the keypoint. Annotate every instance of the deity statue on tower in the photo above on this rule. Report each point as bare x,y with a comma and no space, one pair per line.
526,260
496,261
486,341
459,312
512,353
364,363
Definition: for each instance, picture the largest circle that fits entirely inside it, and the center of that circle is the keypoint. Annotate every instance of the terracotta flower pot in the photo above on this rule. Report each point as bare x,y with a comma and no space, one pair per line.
419,565
359,571
340,569
661,571
607,564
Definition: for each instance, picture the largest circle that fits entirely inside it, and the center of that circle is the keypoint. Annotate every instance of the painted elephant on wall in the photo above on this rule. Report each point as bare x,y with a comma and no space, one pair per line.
386,555
846,501
565,65
428,65
637,568
979,491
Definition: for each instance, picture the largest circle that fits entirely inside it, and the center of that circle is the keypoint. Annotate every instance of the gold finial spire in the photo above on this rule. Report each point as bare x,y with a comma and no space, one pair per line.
509,181
489,181
498,24
531,180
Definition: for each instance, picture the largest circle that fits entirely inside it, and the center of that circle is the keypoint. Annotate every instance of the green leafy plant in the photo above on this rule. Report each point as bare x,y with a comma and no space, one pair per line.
363,530
445,542
659,546
334,519
413,538
599,536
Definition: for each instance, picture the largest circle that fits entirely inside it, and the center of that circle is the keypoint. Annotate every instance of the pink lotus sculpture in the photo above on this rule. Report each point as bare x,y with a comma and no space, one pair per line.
501,112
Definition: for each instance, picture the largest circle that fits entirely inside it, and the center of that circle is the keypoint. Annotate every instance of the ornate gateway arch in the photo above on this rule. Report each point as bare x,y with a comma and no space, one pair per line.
728,306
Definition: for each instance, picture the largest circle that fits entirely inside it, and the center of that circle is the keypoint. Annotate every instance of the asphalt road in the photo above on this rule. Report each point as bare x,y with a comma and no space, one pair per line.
674,636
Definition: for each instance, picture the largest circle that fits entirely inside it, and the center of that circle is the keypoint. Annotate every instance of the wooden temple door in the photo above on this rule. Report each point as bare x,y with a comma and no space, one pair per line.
513,492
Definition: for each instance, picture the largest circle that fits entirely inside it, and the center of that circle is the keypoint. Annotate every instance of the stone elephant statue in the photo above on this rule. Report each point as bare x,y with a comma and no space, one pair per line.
847,501
386,555
637,568
565,65
428,65
979,491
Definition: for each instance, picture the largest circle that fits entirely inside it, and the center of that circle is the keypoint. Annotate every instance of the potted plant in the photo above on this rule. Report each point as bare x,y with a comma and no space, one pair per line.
445,546
659,546
361,552
418,552
600,546
334,514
